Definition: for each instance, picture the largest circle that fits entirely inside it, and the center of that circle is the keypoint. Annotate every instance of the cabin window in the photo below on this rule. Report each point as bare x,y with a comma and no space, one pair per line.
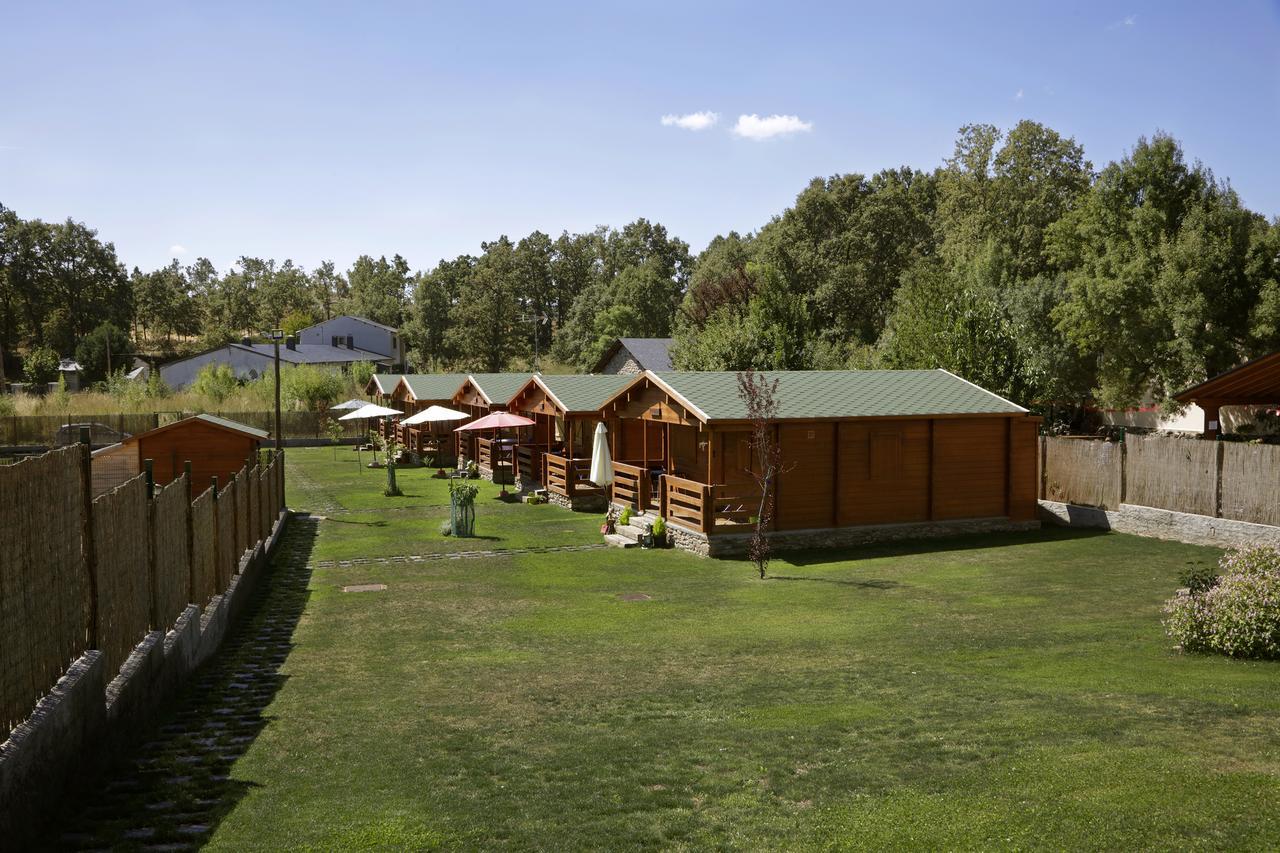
886,455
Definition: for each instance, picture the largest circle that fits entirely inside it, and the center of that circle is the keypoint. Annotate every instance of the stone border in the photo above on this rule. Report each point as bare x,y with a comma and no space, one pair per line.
1163,524
88,718
580,503
735,544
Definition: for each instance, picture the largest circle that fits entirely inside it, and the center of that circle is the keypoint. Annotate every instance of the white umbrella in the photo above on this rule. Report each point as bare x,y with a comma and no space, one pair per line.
433,414
369,410
347,406
601,464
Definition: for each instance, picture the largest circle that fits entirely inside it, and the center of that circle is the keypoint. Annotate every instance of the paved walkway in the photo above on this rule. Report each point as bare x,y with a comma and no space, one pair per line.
176,787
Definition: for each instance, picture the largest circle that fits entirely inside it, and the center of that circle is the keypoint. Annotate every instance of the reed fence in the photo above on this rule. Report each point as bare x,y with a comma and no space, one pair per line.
1222,479
78,573
109,427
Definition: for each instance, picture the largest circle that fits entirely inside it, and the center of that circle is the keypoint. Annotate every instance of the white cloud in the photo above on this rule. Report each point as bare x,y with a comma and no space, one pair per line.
1125,22
177,249
754,127
691,121
1018,95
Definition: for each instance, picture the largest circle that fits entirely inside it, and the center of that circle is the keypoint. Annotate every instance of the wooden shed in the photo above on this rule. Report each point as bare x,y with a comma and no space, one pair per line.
215,447
557,451
480,394
860,448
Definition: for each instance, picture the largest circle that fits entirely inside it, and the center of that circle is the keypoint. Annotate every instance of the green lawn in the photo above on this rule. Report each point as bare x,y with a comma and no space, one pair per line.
992,692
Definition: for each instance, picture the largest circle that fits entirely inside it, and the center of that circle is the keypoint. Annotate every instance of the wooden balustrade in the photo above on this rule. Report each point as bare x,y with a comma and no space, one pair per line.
686,502
529,461
733,507
484,452
568,477
631,485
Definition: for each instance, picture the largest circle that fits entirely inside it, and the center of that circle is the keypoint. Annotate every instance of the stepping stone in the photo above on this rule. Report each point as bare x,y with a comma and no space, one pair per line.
161,807
194,829
139,833
365,587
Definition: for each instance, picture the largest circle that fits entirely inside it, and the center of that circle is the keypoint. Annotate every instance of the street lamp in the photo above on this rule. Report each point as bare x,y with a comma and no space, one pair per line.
277,335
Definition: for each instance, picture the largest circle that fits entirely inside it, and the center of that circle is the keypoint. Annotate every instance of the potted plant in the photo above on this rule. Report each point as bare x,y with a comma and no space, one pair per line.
625,518
659,531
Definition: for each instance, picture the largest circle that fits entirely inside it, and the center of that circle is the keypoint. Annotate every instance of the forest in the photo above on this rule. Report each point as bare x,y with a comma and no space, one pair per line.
1014,263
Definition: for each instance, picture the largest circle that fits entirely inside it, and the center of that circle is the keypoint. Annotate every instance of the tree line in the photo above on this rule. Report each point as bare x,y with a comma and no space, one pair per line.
1014,264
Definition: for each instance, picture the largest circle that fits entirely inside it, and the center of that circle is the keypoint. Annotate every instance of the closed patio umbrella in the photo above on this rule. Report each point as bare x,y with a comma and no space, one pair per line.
601,464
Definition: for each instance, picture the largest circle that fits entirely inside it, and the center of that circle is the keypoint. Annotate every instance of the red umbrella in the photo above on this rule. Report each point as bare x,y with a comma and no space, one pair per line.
497,420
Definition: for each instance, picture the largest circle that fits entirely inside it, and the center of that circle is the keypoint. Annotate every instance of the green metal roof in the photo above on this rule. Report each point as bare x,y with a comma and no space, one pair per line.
434,386
499,387
585,393
235,425
841,394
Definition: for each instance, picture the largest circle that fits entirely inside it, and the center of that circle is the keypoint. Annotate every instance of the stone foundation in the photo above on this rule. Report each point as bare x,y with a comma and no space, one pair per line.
736,544
579,503
1163,524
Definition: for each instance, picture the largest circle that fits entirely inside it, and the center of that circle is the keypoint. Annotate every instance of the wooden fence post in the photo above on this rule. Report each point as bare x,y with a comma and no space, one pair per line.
1044,466
191,537
88,551
1124,465
1217,476
154,617
217,534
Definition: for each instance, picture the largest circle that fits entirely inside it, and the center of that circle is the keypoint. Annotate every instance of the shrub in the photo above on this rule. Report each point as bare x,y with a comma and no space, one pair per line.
8,408
311,387
1239,616
216,381
1199,578
659,531
625,518
361,372
40,366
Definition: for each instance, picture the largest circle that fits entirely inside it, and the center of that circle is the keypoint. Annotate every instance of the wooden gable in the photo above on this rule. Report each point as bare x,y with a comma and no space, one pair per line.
646,401
469,395
533,398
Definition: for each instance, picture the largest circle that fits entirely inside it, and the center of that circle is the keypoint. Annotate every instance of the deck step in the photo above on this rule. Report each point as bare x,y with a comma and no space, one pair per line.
613,540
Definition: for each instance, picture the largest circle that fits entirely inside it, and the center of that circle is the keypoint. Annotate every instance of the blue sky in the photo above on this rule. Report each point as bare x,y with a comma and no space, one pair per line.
323,131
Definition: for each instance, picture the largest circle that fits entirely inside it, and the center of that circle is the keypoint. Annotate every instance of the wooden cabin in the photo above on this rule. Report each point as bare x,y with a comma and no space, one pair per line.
1255,383
860,449
480,394
380,388
417,391
557,451
215,447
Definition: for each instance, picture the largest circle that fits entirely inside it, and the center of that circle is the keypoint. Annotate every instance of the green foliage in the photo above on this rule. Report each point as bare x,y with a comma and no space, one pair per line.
295,321
7,407
105,344
626,516
659,531
215,381
768,330
310,387
378,289
361,373
1198,579
40,366
1239,615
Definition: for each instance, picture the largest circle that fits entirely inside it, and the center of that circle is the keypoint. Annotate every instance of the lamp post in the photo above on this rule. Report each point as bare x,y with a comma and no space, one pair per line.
276,336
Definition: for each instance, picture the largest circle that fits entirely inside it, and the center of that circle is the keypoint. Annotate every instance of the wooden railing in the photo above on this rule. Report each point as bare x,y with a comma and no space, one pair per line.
734,507
529,461
484,452
631,485
685,502
568,477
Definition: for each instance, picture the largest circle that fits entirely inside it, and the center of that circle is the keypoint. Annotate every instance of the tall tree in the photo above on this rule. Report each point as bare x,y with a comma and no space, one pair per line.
379,289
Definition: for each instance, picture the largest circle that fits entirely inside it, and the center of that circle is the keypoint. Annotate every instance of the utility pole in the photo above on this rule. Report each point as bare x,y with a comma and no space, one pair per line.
276,335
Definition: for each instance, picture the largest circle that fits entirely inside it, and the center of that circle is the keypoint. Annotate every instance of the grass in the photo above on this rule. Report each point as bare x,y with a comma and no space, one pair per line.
1007,691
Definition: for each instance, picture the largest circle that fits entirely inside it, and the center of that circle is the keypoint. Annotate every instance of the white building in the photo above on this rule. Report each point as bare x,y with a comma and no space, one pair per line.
358,333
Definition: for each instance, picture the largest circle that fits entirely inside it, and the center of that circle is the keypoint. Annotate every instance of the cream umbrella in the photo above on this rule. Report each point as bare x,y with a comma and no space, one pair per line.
601,463
365,412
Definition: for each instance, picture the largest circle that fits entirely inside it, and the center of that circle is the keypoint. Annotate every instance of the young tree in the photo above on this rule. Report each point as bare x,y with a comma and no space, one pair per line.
40,367
760,396
103,351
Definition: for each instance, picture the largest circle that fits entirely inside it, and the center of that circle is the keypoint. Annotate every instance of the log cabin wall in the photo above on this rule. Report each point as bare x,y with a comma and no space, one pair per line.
883,472
213,452
971,473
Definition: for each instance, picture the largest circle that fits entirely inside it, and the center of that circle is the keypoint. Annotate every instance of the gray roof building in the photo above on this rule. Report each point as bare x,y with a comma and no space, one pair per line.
636,355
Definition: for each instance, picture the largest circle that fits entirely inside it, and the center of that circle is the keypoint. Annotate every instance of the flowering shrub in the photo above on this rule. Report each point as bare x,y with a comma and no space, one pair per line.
1239,616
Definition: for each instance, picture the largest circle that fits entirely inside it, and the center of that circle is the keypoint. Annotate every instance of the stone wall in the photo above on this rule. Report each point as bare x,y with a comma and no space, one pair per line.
735,544
89,718
623,363
579,503
1163,524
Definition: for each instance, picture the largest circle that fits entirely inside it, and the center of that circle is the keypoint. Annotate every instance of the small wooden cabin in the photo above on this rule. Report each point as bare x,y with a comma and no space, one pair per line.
215,447
480,394
416,392
557,451
859,448
380,387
